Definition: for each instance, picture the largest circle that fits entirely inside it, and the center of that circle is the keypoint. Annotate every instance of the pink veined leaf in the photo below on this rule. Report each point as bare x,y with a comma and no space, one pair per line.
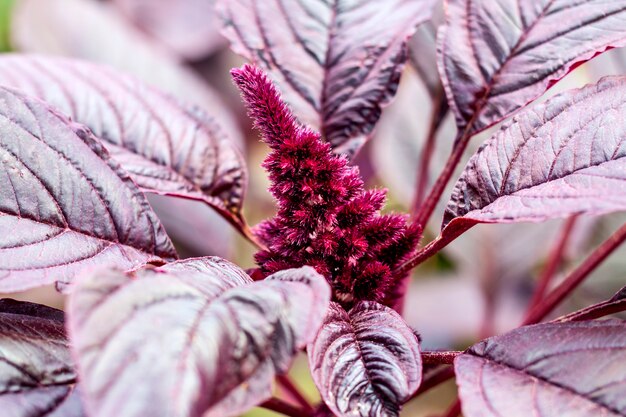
167,148
338,62
495,56
563,157
547,370
365,362
227,337
37,377
188,27
126,48
64,203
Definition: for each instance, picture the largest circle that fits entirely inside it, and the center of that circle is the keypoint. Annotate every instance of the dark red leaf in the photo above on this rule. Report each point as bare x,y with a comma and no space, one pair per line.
562,157
192,338
365,362
547,370
338,62
64,203
188,27
496,56
168,149
37,377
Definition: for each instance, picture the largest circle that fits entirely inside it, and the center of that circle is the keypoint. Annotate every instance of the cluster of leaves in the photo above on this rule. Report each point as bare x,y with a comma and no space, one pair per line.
81,145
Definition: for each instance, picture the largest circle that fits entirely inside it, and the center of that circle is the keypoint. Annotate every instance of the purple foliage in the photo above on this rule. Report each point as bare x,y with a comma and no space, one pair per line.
149,335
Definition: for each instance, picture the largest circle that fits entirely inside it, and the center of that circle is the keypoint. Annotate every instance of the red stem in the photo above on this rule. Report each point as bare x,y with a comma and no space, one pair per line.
435,378
426,209
450,233
595,311
440,107
439,357
292,391
576,277
280,406
489,288
554,261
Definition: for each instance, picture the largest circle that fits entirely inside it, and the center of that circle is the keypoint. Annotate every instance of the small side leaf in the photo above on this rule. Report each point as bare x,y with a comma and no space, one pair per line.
547,370
365,362
226,336
37,377
495,56
338,62
563,157
167,148
64,203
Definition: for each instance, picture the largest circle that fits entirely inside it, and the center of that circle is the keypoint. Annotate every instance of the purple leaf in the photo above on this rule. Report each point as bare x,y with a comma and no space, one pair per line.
95,31
365,362
188,27
64,203
338,62
226,336
188,223
562,157
167,149
37,377
496,56
547,370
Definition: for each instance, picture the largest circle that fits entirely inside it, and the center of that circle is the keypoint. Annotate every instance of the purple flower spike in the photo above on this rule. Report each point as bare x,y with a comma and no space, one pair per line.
325,217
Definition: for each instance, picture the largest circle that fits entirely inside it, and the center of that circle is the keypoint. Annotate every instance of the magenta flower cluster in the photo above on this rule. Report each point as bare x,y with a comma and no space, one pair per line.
326,219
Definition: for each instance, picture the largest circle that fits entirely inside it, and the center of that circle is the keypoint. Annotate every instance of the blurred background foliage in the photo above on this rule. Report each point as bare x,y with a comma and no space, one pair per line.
479,286
6,7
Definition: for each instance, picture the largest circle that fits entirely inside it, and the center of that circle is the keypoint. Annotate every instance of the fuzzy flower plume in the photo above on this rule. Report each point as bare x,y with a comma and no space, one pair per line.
326,219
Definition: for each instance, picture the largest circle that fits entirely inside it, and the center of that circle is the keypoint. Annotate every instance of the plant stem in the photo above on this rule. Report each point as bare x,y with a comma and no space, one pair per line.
293,392
280,406
440,108
489,286
454,410
448,235
440,357
595,311
554,261
426,209
435,378
576,277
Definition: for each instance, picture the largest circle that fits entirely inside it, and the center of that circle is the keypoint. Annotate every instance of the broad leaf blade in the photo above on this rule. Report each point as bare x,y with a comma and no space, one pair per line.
365,362
37,377
196,272
562,157
338,62
60,32
224,342
64,203
188,27
498,55
167,148
547,370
